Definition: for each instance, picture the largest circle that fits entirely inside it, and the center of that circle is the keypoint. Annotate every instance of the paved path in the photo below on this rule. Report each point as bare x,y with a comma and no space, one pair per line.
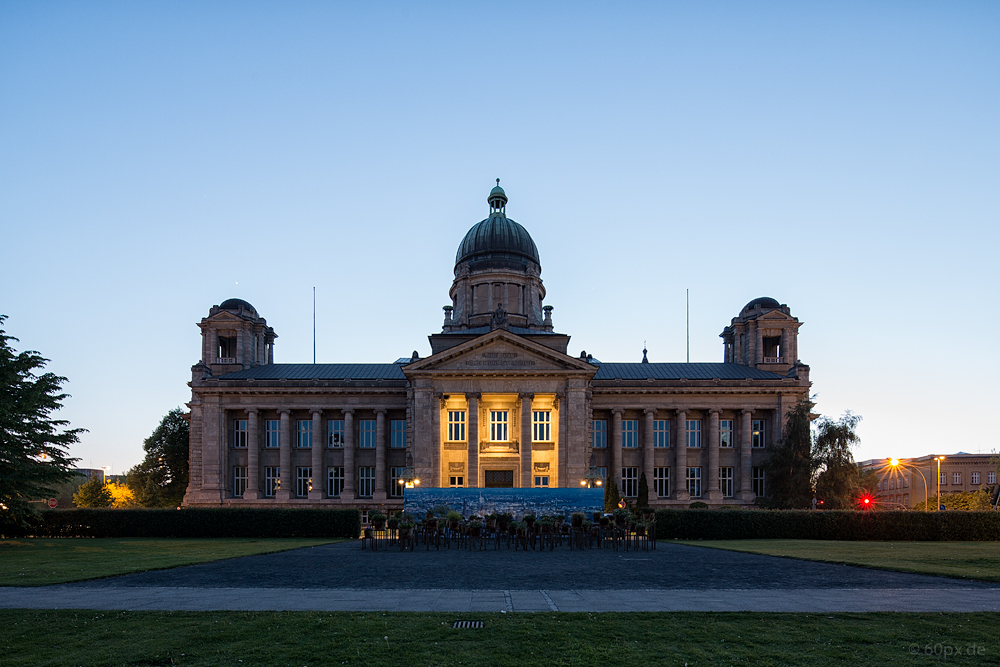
343,577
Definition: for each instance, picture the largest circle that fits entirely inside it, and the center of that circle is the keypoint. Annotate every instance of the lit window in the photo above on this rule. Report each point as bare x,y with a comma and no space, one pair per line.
240,433
456,482
956,478
498,426
661,481
272,481
726,433
239,481
395,477
397,433
757,435
694,433
540,427
630,433
975,478
336,429
694,482
366,433
600,439
726,482
630,482
334,481
304,433
366,482
757,481
456,425
272,433
542,481
661,433
303,482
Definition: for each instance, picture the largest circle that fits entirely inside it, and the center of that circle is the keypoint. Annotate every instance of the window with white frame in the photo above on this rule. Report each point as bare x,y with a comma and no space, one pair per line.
272,433
541,427
974,478
334,481
694,482
726,482
366,482
336,429
757,481
661,481
943,478
694,433
630,433
366,433
395,481
303,482
600,431
456,481
272,481
757,434
304,433
397,434
498,426
956,478
542,481
456,425
239,481
241,433
630,482
661,433
726,433
991,478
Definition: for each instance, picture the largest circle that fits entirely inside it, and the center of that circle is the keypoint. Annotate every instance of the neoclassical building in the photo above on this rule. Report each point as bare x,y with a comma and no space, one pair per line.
499,402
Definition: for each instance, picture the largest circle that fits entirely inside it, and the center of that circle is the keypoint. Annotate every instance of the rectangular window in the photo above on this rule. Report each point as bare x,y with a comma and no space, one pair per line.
630,482
456,425
892,484
303,482
991,478
600,431
757,433
304,433
396,482
366,433
366,482
661,481
498,426
726,482
603,472
241,433
661,433
397,434
726,433
943,478
694,433
694,482
336,430
956,478
540,427
239,481
272,433
272,481
975,478
456,482
757,481
334,481
542,481
630,433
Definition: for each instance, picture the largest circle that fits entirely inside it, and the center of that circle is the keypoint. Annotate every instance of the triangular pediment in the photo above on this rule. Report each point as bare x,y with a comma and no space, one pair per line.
775,315
224,316
499,352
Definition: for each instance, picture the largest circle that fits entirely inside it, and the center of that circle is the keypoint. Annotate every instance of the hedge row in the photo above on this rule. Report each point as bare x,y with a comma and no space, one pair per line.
200,522
827,525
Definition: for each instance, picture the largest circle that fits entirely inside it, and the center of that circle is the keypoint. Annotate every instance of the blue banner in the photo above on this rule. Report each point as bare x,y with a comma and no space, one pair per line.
518,502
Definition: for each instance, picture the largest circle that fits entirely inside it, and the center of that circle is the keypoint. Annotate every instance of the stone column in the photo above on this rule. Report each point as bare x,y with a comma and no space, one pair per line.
616,448
754,351
253,458
349,472
679,473
648,460
285,458
318,451
714,493
437,405
380,470
527,476
562,441
472,437
746,463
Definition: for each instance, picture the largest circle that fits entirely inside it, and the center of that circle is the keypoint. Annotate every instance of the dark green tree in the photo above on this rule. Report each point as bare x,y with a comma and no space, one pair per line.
162,477
611,495
93,493
789,470
839,481
34,457
642,501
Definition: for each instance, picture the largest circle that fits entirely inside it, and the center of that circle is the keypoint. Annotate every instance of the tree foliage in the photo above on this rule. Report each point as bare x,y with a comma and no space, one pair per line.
162,477
789,469
839,480
611,495
642,501
34,455
969,501
93,493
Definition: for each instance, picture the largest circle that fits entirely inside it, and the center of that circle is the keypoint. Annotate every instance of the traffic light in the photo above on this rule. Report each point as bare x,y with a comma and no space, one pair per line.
866,502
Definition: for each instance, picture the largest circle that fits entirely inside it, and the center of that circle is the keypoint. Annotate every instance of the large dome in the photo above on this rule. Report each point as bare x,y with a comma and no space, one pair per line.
497,237
765,303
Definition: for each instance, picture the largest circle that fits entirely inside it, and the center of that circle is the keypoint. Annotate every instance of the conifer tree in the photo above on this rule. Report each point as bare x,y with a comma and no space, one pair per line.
93,493
611,495
642,501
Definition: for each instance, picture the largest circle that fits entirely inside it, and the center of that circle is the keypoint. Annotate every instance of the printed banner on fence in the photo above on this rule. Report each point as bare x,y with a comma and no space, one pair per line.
518,502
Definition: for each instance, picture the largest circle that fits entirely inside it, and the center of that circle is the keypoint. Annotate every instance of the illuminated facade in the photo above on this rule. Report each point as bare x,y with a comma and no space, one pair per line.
499,402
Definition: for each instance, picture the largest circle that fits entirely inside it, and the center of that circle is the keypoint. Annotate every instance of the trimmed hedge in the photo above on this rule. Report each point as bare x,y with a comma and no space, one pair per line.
194,522
827,525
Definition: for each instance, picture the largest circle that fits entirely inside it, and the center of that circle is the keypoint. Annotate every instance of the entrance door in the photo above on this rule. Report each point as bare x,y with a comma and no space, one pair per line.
499,479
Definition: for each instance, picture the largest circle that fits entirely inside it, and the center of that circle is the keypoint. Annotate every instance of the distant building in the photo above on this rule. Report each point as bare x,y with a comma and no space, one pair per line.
903,486
89,472
498,403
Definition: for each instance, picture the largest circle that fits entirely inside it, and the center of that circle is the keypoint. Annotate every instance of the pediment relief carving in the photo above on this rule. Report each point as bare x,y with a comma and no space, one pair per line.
501,352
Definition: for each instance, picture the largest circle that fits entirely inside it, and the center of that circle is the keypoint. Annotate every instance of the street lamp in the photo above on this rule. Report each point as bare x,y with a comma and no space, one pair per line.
592,478
409,478
896,463
939,459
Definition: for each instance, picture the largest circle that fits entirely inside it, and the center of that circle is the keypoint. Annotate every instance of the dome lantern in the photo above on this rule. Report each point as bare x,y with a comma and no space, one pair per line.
497,200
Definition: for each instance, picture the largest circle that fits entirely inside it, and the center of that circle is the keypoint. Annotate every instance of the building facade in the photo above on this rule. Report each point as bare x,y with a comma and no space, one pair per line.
910,483
499,402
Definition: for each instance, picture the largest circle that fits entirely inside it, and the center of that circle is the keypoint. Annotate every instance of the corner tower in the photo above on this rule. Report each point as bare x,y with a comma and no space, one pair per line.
233,338
765,336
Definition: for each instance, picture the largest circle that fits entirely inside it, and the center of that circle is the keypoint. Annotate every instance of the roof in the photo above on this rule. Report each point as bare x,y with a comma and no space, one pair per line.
520,331
706,371
497,237
318,372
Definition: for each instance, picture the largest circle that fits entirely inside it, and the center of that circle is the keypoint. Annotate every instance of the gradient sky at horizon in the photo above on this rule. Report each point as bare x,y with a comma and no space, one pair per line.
158,158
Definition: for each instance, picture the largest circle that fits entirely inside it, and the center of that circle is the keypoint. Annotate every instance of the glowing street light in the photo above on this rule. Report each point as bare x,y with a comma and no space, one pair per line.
896,463
939,459
409,478
592,478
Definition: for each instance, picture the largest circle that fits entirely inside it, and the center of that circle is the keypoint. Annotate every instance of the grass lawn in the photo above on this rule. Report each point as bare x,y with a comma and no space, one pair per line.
965,560
40,561
317,638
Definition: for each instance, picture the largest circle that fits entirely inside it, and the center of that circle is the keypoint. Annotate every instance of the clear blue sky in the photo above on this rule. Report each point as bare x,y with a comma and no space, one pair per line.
157,158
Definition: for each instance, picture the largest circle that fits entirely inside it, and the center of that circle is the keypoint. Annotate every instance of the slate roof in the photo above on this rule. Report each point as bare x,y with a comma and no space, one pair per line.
706,371
319,372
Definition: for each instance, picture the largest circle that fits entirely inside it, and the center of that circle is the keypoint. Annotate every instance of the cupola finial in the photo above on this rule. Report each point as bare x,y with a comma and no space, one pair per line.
497,200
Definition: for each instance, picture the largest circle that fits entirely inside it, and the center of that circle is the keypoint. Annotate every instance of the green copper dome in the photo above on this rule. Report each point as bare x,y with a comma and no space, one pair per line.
498,239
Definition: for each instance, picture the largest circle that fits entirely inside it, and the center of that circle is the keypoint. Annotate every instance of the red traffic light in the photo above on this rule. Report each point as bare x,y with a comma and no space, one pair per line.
866,502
